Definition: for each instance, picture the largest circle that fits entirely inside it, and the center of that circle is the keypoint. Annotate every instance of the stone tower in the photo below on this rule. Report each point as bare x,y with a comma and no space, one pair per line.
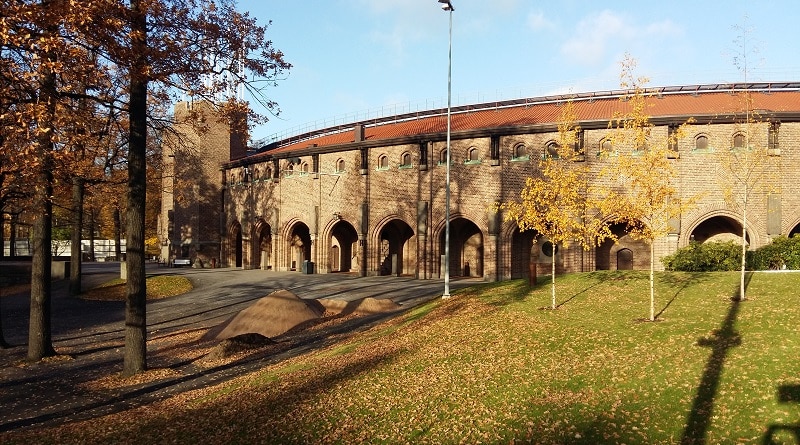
194,149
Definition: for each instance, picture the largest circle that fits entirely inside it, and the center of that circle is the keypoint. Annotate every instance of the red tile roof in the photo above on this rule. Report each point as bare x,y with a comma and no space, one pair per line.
701,103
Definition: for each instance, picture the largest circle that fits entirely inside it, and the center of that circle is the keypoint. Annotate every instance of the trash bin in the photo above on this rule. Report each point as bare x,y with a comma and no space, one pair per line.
308,267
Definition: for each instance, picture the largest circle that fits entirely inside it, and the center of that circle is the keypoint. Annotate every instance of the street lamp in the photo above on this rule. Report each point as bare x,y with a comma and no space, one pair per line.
448,6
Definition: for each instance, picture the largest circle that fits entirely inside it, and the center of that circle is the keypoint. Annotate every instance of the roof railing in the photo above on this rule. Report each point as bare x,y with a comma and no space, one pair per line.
283,139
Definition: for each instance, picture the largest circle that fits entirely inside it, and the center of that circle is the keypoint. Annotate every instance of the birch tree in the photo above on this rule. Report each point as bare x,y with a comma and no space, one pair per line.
744,168
646,196
557,203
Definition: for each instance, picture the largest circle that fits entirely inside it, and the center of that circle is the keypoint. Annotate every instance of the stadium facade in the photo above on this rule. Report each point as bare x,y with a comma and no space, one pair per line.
369,197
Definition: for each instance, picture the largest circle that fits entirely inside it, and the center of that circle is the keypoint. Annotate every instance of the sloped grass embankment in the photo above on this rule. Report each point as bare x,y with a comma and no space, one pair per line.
491,366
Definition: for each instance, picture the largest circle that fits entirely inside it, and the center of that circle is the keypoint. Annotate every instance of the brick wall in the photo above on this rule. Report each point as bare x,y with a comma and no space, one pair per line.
399,210
193,154
392,220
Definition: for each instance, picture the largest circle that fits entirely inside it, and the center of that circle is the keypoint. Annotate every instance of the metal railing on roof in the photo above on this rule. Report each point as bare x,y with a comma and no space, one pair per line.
286,138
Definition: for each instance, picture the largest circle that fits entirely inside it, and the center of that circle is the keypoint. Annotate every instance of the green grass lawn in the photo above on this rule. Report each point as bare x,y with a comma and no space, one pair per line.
158,286
491,366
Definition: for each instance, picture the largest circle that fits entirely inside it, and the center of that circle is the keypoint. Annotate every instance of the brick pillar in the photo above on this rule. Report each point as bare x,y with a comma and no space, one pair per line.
490,258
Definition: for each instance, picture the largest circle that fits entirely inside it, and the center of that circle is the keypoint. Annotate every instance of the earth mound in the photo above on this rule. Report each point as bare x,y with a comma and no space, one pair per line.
244,342
270,316
365,306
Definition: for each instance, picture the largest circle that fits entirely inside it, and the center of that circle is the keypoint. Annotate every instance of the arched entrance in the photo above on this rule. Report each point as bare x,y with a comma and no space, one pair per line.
608,256
235,240
625,259
336,259
466,248
299,246
718,228
393,238
521,245
344,240
262,246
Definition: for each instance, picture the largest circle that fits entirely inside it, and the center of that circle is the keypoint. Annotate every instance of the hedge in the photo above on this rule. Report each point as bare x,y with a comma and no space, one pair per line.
705,257
782,253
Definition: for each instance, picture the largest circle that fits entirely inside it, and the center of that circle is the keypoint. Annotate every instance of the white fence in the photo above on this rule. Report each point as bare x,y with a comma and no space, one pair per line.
103,249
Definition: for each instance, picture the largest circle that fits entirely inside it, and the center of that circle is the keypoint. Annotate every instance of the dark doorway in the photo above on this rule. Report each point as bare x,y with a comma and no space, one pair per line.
466,248
393,238
343,238
299,246
625,259
335,259
609,255
521,245
237,245
718,228
263,247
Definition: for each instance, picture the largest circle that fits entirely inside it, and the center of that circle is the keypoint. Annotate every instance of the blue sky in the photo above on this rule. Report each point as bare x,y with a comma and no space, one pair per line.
355,59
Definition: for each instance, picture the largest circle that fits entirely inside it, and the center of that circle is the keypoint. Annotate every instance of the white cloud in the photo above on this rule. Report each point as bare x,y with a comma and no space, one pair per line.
395,25
538,22
607,32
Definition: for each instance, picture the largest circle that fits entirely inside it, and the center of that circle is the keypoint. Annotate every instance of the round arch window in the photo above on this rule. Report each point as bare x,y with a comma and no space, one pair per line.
551,150
701,142
520,151
548,249
383,161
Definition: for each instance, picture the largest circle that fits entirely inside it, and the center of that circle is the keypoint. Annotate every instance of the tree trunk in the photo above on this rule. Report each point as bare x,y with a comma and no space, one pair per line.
652,281
553,278
3,343
40,343
78,187
2,226
92,257
12,236
744,247
135,359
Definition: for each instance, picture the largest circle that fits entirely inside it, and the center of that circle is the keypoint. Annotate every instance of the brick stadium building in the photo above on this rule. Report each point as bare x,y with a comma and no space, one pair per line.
368,197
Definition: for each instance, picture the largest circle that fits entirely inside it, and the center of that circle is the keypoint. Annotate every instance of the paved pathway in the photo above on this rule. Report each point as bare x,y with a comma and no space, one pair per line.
52,392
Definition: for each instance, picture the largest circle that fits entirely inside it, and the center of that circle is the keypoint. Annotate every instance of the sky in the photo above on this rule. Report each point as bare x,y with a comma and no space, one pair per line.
359,59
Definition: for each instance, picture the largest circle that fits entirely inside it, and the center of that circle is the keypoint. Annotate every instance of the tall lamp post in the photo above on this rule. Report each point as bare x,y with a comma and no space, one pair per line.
448,6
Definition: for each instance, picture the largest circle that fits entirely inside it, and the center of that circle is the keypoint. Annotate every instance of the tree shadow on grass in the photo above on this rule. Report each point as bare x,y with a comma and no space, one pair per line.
775,432
262,413
721,341
576,294
679,283
596,278
503,293
500,294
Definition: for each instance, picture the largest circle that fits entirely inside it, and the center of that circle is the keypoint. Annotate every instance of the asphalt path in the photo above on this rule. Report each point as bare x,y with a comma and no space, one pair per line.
51,392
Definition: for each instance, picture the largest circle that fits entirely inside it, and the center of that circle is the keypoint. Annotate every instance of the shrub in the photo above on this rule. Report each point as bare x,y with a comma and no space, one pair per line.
705,257
711,257
781,252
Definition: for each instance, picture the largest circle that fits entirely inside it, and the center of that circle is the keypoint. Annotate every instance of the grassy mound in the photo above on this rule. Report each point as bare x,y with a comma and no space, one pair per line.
159,286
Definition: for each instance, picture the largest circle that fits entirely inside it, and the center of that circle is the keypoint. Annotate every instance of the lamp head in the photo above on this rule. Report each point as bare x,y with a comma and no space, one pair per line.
446,5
